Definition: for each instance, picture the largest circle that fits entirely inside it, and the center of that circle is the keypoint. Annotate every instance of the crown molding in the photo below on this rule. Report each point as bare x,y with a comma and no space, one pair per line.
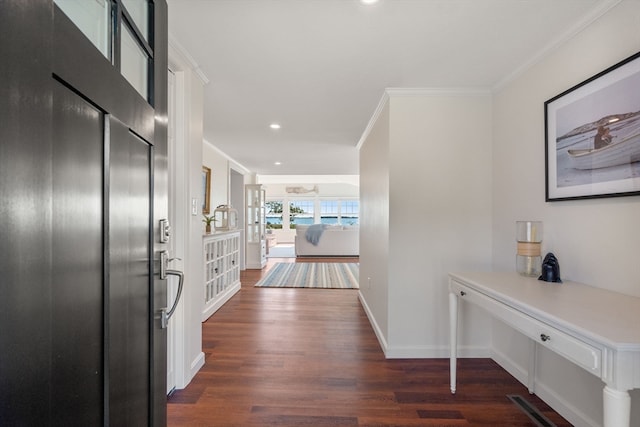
598,11
186,58
309,179
437,91
417,92
376,114
244,170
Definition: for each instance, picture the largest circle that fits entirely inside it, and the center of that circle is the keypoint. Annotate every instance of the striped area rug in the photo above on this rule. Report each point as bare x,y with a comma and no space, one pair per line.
338,275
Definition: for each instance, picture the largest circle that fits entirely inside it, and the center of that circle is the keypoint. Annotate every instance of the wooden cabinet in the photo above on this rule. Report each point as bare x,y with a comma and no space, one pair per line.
256,250
221,270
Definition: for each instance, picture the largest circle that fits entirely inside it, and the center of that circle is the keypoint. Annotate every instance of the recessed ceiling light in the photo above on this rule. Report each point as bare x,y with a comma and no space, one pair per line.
277,163
368,1
274,126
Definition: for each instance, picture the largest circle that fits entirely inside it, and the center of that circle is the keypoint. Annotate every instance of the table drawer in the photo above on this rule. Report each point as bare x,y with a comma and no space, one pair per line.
579,352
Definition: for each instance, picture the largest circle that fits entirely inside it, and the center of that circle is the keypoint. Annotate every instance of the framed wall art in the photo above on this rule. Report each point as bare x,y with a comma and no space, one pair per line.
592,136
206,190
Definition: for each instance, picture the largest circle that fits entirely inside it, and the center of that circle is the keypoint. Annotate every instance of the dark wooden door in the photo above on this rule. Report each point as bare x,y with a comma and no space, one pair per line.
77,252
82,187
129,296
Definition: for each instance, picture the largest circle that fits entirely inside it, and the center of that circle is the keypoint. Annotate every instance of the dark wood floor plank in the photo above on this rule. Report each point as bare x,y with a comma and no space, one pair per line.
309,357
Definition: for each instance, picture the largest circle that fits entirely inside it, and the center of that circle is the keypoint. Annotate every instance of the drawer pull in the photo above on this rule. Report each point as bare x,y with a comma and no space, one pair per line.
462,293
545,337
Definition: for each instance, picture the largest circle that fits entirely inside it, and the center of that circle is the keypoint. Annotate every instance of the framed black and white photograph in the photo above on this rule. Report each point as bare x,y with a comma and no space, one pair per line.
592,136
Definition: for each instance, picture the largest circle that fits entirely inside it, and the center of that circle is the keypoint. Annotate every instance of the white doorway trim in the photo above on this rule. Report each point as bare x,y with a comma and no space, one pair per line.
177,216
184,164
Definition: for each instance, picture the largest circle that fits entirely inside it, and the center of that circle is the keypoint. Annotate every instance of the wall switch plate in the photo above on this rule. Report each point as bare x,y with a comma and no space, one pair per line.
194,206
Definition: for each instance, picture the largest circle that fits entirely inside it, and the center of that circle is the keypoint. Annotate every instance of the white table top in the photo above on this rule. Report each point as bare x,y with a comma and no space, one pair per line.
603,316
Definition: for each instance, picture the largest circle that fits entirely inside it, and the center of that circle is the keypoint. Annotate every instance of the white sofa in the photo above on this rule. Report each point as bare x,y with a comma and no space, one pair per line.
335,240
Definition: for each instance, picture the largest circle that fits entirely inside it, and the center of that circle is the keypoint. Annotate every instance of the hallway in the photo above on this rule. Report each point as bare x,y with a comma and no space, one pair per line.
309,357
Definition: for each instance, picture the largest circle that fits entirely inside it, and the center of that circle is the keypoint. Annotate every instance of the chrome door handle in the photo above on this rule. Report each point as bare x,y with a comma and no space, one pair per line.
166,315
164,263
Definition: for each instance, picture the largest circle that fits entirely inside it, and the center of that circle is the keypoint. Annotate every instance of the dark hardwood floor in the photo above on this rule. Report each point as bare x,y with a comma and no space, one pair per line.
309,357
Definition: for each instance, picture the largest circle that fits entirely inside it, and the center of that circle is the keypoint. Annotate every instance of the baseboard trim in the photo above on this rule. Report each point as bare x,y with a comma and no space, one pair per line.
222,299
418,352
374,324
550,397
564,408
435,352
516,371
195,366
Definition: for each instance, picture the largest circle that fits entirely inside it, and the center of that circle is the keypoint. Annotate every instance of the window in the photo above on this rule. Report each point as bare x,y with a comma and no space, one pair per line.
288,213
134,63
301,212
329,212
138,10
350,212
121,30
274,213
344,212
93,18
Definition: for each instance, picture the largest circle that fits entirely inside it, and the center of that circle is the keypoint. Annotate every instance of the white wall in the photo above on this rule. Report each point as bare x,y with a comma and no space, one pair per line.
374,224
440,215
596,241
278,190
341,182
433,190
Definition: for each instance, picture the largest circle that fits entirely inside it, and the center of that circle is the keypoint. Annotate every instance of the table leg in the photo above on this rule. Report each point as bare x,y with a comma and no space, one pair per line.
453,339
533,362
617,407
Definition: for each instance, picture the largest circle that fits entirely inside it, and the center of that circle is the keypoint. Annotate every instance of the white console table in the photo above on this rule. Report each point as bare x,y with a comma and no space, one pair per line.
596,329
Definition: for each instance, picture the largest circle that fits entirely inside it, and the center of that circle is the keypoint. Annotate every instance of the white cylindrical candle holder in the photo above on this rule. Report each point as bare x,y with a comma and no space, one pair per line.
528,255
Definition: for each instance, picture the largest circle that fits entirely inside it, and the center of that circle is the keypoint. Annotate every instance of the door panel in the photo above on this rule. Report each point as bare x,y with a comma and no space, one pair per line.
77,256
81,343
76,60
25,209
129,279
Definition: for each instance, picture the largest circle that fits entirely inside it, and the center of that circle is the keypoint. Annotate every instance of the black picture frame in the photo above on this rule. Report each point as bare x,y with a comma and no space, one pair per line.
604,112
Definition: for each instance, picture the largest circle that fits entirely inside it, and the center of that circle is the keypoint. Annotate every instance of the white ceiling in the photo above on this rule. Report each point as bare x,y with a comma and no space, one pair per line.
319,67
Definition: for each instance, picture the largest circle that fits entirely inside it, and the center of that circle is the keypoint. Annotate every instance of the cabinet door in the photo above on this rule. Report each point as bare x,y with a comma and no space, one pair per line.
253,220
